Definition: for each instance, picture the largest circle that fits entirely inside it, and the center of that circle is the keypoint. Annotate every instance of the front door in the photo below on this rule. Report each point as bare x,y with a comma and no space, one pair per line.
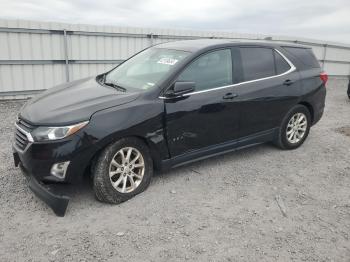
207,116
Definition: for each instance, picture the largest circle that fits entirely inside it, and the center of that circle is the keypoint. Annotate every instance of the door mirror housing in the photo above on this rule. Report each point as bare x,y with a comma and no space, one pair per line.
181,88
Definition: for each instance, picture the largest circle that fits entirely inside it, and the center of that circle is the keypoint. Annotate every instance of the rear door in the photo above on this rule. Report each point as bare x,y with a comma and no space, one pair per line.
269,88
208,116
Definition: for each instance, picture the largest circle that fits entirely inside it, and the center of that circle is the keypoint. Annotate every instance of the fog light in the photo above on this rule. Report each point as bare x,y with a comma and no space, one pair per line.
59,169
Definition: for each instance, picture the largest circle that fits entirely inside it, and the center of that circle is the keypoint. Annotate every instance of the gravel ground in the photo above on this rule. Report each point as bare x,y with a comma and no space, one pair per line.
222,209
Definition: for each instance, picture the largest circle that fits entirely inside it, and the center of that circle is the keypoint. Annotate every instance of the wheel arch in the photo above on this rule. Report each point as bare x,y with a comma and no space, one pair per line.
153,150
310,108
155,155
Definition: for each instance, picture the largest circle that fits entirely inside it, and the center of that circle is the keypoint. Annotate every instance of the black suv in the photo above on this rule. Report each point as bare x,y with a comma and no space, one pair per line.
168,105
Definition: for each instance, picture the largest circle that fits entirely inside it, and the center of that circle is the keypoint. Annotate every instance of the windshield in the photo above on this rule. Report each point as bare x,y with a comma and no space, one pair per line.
146,69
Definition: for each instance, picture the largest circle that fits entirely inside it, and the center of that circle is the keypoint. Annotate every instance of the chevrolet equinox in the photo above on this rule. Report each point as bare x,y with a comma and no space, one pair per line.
166,106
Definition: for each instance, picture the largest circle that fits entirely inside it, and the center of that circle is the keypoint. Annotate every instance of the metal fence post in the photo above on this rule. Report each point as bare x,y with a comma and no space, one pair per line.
324,55
66,54
151,38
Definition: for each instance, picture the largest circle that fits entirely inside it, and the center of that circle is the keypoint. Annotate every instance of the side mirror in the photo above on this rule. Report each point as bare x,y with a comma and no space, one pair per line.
181,88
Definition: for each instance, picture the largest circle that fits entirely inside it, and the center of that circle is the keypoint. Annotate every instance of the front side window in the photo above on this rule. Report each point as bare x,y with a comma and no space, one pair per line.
210,70
146,69
257,62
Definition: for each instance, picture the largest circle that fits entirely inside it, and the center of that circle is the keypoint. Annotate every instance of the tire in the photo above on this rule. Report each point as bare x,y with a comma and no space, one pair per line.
285,137
102,181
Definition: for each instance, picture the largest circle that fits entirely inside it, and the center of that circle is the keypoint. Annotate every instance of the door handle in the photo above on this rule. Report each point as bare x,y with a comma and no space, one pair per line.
288,82
229,96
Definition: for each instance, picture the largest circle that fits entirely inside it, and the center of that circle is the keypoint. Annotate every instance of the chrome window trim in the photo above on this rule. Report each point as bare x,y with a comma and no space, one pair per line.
291,69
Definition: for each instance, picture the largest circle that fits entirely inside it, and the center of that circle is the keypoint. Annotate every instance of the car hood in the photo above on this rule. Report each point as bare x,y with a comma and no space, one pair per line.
73,102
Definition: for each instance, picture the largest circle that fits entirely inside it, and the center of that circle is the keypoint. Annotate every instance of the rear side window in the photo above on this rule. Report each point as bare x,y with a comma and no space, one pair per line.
281,64
257,62
305,55
210,70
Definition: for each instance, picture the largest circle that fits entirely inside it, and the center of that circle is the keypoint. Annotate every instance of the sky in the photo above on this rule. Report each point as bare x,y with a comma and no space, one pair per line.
318,19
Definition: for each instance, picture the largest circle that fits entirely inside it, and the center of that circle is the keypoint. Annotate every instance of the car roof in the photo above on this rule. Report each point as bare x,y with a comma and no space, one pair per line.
199,44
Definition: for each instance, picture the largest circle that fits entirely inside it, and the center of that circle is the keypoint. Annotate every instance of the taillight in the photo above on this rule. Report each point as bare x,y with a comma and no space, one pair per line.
324,77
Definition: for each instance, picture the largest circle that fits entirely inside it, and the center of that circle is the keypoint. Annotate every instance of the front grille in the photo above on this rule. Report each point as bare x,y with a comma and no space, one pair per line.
22,129
25,125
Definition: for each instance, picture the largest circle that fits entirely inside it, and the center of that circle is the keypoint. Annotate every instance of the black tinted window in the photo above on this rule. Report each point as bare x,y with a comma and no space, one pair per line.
257,62
305,55
210,70
281,64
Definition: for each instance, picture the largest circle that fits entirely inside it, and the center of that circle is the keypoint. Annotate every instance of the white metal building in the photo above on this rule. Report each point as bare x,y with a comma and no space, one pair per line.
38,55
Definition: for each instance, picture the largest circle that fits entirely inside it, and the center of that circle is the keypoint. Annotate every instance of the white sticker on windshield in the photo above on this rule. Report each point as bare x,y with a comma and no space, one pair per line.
167,61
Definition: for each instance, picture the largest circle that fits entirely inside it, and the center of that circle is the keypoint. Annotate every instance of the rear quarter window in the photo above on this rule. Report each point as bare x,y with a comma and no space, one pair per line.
304,55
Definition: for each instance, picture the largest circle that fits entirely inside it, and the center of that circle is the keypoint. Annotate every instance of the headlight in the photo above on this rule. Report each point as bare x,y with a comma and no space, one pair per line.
44,133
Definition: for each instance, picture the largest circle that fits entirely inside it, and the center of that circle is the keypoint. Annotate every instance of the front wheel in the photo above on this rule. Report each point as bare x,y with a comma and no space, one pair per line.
295,128
123,170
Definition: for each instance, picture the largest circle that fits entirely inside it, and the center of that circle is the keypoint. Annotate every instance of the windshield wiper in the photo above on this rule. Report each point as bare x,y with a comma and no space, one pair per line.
115,86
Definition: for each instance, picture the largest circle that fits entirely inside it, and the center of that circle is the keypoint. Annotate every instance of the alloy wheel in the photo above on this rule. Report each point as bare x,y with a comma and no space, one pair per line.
126,169
296,128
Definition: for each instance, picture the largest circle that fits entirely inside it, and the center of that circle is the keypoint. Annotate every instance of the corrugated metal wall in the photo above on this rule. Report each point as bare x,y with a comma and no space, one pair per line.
38,55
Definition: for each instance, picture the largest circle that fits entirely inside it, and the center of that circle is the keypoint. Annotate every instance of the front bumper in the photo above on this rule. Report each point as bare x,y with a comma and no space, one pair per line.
39,157
37,160
57,201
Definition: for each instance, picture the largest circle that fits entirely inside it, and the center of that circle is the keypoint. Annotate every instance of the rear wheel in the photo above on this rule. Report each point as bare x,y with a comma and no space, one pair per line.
295,128
123,170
